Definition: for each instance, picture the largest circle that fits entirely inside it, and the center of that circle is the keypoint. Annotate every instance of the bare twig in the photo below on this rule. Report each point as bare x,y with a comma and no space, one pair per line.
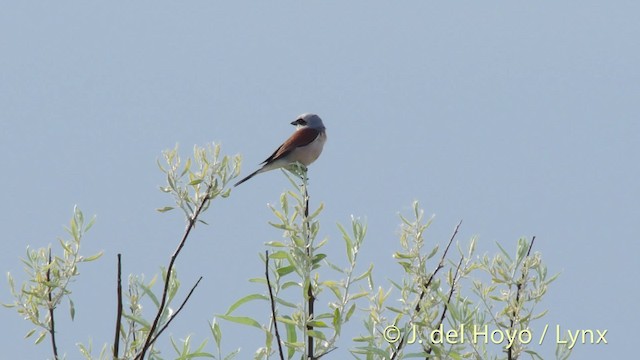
440,265
309,327
52,328
311,297
453,288
184,302
401,343
446,305
191,223
518,292
273,304
531,246
306,204
116,340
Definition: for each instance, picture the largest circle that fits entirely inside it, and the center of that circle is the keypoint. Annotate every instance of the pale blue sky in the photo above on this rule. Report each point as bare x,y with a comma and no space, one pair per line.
519,117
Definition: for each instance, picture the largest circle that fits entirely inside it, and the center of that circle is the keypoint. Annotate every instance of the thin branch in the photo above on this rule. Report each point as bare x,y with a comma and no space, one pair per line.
440,265
273,305
311,297
52,328
396,350
426,286
446,305
309,327
184,302
132,324
163,301
451,291
116,340
518,292
306,203
531,245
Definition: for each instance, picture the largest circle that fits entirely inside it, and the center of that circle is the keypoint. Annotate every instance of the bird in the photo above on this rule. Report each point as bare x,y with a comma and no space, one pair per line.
303,146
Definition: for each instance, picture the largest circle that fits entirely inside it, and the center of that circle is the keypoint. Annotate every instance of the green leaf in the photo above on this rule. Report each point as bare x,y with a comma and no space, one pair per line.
93,257
335,267
348,243
292,337
226,193
316,334
538,316
334,287
281,226
395,310
364,274
433,252
287,320
31,332
244,300
90,224
216,332
317,324
285,303
399,255
232,355
187,166
74,229
165,209
65,246
41,337
319,257
504,252
317,211
371,350
363,339
275,244
242,320
350,312
279,255
285,270
72,309
289,284
358,295
199,354
148,292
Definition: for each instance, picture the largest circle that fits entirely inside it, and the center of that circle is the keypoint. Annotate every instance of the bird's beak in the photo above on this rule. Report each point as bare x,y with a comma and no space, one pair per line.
298,122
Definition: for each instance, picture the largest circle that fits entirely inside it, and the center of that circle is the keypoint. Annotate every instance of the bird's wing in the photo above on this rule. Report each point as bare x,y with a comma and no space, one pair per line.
301,137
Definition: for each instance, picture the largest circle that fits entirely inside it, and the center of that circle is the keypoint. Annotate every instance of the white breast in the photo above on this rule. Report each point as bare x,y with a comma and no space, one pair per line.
308,154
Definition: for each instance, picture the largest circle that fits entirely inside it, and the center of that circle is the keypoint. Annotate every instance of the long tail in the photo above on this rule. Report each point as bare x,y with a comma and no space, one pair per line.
248,177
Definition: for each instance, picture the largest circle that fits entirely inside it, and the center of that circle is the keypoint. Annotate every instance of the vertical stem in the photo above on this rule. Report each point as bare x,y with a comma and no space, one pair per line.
273,304
309,327
52,327
163,301
310,295
519,286
116,340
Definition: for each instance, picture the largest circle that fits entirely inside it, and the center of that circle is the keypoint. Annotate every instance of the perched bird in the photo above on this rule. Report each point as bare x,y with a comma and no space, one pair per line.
304,146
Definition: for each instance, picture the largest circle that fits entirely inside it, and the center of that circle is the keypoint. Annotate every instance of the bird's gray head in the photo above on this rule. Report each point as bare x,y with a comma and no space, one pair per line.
310,120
